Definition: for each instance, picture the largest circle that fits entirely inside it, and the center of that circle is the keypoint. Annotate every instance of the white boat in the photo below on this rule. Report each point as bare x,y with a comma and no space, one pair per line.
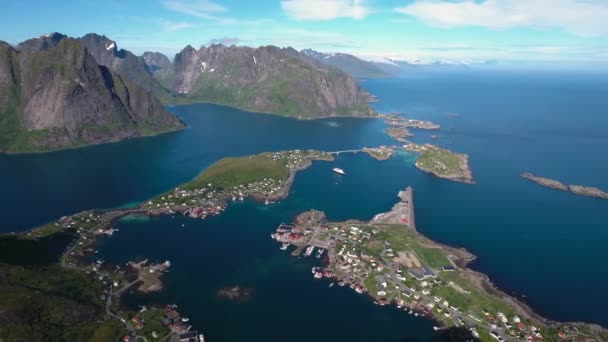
309,250
331,285
284,246
185,319
338,171
320,253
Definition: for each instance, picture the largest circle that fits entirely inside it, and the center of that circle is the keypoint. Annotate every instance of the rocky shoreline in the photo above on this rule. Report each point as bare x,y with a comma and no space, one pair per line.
466,175
580,190
434,160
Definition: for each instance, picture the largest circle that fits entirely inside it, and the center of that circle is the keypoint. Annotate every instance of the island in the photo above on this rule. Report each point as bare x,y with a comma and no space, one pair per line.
399,133
380,153
442,162
395,119
387,259
581,190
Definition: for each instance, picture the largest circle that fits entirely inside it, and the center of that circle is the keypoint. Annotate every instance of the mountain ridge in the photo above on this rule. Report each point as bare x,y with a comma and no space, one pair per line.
56,96
265,79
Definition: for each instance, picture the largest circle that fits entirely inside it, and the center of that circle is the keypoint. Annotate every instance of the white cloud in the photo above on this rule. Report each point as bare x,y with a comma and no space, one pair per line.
581,17
325,9
172,26
198,8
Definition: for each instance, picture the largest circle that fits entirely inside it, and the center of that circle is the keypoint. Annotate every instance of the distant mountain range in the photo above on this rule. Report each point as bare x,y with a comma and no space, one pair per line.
59,92
354,66
54,95
378,67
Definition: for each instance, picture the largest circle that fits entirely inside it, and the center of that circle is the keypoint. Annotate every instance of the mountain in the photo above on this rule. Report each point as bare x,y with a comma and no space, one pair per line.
54,95
124,63
42,43
156,61
266,79
352,65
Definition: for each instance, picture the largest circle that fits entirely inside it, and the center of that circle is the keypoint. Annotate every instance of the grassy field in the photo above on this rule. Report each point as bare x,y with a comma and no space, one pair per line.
440,161
230,172
152,323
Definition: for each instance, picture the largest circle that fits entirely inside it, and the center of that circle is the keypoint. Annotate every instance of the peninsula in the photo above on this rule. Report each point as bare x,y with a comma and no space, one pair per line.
581,190
442,163
399,133
387,259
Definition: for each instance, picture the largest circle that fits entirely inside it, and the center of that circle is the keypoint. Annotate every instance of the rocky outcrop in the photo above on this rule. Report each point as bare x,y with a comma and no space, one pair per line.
580,190
55,95
265,79
588,191
549,183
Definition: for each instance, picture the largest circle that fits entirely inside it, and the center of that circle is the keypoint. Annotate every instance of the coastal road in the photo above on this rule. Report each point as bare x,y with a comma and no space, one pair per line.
111,294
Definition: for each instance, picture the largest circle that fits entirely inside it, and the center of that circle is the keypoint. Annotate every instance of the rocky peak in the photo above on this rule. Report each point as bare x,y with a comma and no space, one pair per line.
102,45
42,43
123,62
156,61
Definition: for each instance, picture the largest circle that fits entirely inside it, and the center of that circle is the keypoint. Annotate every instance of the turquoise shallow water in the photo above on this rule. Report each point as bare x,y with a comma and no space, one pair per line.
535,242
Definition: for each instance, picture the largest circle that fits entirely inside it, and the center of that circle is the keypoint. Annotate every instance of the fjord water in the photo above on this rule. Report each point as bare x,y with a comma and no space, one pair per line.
535,242
37,188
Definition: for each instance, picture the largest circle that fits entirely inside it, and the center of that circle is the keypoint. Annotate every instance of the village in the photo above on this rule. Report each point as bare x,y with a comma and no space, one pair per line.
388,260
114,280
198,199
395,119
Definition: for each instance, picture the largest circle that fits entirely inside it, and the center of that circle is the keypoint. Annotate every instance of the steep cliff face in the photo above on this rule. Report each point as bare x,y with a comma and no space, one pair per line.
123,62
10,94
57,96
265,79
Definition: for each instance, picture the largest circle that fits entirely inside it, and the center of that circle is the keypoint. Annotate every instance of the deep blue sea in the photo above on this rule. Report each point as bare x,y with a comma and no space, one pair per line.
542,245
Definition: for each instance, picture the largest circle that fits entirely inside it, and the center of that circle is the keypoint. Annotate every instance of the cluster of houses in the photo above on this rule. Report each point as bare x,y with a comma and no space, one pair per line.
400,121
295,159
418,148
208,201
179,327
392,277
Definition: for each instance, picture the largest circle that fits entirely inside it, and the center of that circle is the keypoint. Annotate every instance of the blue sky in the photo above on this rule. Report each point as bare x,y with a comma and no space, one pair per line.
562,31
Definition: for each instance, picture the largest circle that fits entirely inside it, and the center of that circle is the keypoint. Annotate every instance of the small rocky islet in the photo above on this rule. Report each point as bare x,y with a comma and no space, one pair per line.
580,190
